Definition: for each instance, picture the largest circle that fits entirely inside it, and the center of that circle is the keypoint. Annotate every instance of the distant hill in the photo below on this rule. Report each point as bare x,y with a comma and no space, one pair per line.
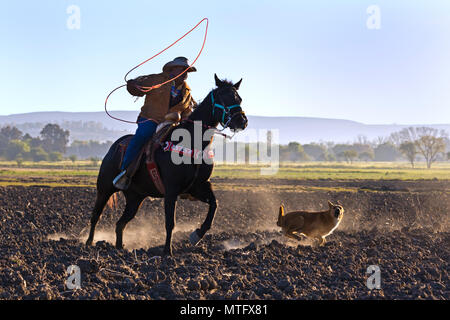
98,126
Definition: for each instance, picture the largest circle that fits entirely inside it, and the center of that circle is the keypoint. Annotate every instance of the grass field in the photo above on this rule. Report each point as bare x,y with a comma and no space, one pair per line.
84,173
339,171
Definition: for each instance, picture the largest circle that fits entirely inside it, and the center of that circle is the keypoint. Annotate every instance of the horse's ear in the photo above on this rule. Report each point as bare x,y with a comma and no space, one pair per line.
218,81
237,84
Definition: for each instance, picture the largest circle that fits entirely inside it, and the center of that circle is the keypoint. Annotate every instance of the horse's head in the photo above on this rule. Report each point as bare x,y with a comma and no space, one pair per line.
226,104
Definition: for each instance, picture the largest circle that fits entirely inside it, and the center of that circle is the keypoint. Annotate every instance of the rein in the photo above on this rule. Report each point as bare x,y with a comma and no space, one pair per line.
216,131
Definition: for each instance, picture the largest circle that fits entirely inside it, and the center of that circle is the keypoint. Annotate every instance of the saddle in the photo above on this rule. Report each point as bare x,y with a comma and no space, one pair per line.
148,151
163,131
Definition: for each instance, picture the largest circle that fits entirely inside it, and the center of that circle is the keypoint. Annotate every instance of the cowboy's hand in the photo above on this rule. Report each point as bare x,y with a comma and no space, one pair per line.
132,87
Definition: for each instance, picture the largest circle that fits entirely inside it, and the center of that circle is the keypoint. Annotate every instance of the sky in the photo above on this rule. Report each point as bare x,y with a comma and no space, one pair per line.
321,58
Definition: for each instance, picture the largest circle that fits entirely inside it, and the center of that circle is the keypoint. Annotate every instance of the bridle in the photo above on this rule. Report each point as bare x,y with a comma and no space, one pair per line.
227,117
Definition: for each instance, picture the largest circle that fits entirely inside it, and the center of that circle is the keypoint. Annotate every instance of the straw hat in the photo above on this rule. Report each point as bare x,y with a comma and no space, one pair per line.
178,62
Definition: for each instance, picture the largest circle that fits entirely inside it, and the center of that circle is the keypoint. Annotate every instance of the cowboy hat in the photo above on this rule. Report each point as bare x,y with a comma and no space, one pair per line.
178,62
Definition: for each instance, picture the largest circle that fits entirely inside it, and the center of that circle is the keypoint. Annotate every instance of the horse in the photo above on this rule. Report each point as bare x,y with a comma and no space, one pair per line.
221,105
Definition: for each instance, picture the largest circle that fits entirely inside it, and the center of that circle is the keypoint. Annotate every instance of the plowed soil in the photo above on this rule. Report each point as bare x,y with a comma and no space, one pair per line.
402,227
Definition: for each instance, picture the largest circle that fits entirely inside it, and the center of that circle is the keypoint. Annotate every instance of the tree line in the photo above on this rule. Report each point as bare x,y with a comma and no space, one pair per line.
413,144
50,145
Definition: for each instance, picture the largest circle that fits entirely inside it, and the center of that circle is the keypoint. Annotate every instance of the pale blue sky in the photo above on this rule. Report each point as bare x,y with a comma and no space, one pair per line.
297,58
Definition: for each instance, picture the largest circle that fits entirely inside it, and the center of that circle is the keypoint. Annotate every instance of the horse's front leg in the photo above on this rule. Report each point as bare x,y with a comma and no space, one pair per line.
204,193
169,208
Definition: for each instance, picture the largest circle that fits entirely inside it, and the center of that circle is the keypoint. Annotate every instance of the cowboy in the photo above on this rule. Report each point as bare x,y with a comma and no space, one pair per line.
173,97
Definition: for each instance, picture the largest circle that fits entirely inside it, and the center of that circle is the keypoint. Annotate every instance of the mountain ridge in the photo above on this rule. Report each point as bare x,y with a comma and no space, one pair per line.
300,129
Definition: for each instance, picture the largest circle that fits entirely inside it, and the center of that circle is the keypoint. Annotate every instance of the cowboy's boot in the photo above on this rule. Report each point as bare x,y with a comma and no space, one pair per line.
122,181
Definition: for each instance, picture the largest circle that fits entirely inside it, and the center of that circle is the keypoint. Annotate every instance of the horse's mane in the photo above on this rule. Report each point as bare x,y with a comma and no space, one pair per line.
227,83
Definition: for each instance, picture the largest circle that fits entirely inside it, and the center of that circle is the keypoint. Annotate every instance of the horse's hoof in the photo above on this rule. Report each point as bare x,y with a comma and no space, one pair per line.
88,243
194,239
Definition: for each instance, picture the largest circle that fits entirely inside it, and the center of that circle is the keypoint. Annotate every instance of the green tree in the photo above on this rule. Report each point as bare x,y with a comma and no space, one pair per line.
55,156
386,152
87,149
294,146
430,142
367,155
296,152
54,138
6,135
16,149
340,148
349,155
19,161
408,149
10,133
35,142
94,161
38,154
73,158
315,151
330,157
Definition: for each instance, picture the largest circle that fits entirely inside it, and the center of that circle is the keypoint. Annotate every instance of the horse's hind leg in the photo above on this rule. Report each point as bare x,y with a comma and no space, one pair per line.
133,201
204,193
100,202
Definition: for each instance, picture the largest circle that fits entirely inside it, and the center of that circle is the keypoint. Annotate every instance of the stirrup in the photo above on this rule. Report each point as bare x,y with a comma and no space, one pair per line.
122,181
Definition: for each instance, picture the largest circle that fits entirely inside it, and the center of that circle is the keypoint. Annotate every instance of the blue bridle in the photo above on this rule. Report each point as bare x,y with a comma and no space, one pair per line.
225,110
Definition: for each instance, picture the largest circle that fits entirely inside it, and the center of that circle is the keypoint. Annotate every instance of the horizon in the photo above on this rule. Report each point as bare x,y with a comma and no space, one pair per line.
328,60
251,115
311,129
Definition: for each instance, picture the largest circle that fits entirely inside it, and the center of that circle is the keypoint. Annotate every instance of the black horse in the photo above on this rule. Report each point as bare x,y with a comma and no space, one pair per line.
221,105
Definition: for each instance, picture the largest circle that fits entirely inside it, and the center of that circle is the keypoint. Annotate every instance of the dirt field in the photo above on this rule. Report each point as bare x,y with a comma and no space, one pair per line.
400,226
